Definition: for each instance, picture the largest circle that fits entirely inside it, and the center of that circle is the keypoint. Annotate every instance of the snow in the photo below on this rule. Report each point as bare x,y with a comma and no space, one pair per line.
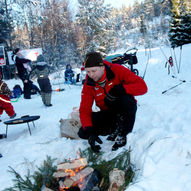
160,141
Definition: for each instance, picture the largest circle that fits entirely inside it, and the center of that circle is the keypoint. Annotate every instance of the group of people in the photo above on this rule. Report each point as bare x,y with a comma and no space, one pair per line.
40,70
24,72
112,87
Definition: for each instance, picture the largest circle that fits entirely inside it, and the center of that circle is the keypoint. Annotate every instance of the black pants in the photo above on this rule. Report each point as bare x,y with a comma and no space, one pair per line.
26,86
27,89
107,121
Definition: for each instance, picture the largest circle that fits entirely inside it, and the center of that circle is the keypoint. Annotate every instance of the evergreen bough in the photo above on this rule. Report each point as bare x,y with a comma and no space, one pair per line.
121,161
42,176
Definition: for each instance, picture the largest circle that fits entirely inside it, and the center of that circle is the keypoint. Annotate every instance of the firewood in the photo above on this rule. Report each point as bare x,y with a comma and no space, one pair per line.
75,164
92,182
116,179
47,189
79,176
61,174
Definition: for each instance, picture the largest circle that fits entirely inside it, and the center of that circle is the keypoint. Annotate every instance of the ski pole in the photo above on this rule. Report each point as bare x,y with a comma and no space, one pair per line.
178,79
180,58
146,65
176,60
173,87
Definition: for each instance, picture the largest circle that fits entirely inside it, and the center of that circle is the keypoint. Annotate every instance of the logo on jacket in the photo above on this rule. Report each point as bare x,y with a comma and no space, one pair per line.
99,94
110,83
96,88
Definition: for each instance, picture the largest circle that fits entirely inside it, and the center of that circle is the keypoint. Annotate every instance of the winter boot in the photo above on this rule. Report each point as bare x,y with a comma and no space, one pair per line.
120,133
119,142
13,116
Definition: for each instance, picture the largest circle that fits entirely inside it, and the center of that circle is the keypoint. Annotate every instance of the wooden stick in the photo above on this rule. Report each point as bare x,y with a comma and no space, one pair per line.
82,162
61,174
80,175
47,189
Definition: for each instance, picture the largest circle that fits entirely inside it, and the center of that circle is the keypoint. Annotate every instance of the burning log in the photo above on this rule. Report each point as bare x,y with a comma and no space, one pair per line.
74,180
76,164
61,174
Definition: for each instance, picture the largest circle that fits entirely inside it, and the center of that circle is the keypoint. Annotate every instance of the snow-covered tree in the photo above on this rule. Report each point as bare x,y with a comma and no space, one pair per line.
180,25
57,34
186,23
5,25
96,24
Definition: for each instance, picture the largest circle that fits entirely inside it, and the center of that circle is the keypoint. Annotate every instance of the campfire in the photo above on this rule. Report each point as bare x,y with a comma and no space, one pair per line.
76,175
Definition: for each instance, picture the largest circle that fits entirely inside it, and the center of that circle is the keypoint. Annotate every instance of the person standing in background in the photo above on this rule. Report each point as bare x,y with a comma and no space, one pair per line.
41,71
23,69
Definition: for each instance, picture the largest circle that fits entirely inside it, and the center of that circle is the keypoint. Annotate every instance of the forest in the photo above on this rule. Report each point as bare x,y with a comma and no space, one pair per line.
66,35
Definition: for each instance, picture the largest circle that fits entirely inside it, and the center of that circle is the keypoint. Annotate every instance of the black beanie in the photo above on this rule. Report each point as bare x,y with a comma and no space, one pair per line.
93,59
16,50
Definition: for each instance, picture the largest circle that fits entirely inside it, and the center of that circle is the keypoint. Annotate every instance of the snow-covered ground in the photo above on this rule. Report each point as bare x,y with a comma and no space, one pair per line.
160,141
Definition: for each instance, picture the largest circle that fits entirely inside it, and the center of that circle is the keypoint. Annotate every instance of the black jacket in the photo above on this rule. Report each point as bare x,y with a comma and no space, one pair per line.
22,71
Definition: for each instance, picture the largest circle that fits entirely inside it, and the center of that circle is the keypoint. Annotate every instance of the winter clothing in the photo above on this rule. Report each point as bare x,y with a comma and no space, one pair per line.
69,75
23,68
46,98
5,102
40,58
116,74
41,71
34,89
92,139
114,95
17,91
16,50
93,59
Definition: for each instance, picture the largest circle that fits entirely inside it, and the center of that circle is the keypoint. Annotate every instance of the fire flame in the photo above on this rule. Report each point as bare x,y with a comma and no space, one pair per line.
72,172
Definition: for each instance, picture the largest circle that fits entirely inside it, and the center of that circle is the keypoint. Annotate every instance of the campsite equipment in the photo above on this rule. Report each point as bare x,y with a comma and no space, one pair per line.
23,119
129,57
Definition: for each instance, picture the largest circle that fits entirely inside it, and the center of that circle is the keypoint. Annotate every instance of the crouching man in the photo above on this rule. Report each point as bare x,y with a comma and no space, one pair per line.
113,88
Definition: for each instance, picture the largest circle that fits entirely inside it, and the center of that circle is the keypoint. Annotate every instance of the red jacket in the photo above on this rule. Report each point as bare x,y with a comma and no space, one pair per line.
116,74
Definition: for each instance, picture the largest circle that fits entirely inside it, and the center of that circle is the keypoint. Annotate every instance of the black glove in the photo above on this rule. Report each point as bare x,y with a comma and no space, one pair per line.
88,130
115,92
92,140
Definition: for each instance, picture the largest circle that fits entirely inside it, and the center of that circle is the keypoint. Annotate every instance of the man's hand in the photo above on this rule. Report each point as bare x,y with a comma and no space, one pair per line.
114,93
92,140
117,90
